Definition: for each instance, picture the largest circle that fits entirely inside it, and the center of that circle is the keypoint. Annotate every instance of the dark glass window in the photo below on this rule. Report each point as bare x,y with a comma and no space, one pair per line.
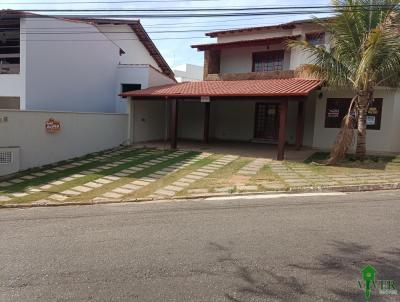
130,87
316,38
336,109
268,60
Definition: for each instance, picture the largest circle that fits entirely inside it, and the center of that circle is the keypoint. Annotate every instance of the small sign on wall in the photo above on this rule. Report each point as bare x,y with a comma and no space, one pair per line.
52,126
205,99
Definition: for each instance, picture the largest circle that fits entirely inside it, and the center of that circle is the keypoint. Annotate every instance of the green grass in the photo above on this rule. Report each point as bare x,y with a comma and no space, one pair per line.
223,177
39,181
127,179
170,178
87,178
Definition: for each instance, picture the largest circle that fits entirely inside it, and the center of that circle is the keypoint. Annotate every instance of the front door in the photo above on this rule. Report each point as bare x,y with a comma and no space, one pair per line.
267,121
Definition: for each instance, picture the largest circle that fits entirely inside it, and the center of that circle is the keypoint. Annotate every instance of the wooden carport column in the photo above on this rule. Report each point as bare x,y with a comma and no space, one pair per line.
206,122
283,109
174,123
300,123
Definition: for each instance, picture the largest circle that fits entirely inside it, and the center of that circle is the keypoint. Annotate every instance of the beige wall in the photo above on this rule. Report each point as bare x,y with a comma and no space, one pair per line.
80,134
241,59
387,139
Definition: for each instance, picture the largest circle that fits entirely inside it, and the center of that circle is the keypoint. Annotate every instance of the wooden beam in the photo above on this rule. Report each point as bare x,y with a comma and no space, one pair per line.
174,123
206,122
283,109
300,125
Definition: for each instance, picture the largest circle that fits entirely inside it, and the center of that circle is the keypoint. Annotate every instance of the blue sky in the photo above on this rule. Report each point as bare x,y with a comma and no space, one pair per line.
176,48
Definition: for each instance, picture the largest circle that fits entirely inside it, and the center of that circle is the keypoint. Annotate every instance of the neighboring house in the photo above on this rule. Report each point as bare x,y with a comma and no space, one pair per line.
81,64
250,92
188,73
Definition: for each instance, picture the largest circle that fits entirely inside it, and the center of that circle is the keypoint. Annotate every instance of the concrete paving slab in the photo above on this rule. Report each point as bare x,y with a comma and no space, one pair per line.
112,178
165,192
122,191
70,192
103,181
140,183
58,197
82,189
93,185
4,198
173,188
131,187
112,195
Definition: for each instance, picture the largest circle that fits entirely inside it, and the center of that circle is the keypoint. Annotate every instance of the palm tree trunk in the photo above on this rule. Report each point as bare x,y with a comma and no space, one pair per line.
362,109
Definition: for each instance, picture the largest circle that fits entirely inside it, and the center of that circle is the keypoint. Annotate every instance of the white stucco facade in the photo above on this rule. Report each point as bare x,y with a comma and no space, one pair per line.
71,65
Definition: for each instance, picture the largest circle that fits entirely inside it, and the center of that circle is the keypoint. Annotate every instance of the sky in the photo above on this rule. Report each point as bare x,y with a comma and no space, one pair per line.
175,47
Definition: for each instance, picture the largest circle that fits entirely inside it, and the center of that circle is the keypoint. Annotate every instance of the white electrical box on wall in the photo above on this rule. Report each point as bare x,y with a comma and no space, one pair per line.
9,160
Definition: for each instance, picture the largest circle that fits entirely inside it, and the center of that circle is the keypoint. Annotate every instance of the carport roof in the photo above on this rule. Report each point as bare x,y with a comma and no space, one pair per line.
268,87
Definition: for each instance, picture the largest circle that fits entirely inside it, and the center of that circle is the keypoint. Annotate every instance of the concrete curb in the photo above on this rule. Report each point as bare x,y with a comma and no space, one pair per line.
344,189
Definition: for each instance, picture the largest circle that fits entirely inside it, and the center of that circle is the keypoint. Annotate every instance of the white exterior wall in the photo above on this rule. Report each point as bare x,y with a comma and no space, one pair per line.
144,75
129,74
157,78
69,72
80,134
188,73
386,139
124,37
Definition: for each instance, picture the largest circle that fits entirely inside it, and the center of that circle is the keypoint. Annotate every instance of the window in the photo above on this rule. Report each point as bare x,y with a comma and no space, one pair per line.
336,109
130,87
268,60
315,38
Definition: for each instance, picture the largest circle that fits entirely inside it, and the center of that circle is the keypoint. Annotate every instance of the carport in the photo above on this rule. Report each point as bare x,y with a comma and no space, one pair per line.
274,95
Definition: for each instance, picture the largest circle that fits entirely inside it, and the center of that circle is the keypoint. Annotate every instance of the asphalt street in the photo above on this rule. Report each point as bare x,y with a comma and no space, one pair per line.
270,248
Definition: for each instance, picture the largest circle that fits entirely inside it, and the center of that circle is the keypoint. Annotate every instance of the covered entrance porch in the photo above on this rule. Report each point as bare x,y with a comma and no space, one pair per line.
259,111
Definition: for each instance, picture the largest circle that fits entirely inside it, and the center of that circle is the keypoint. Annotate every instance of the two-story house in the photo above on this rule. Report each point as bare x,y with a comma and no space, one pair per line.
251,92
57,64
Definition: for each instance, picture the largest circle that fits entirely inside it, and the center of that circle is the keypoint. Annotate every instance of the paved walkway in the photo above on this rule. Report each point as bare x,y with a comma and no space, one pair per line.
122,174
182,183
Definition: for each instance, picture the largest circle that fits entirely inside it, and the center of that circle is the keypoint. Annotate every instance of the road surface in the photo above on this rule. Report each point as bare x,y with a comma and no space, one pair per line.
291,248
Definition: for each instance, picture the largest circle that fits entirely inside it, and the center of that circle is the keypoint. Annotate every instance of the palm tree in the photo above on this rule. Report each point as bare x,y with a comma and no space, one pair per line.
365,53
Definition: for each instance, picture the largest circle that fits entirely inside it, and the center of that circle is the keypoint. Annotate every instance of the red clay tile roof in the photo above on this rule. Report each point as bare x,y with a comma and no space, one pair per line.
244,43
271,87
